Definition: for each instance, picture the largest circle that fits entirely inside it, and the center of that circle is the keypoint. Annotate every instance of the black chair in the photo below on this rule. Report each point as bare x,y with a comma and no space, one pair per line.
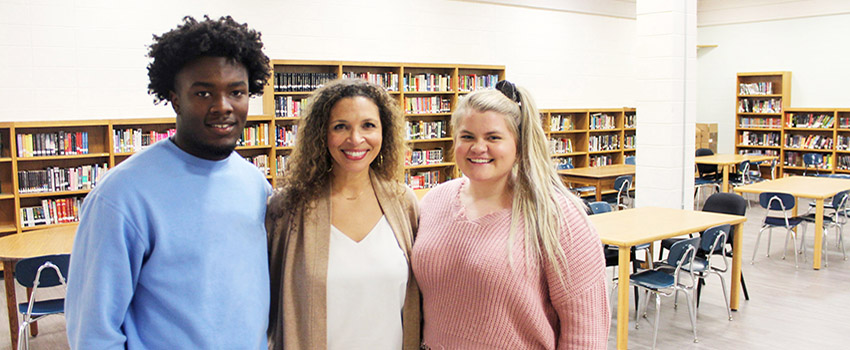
708,174
35,273
813,160
724,203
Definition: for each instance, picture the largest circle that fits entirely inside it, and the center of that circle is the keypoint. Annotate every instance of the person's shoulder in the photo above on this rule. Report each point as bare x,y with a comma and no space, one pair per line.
442,193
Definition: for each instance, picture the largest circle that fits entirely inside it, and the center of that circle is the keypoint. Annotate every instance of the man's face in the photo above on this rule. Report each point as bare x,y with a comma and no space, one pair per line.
211,102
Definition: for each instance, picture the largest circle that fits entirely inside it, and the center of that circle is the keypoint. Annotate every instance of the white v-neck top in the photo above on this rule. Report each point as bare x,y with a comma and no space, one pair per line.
366,287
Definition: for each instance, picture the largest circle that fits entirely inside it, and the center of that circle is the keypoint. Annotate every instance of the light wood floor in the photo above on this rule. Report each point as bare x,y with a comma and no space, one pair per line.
789,308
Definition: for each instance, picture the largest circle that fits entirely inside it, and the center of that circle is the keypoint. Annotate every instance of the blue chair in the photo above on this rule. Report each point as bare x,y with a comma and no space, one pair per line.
623,185
666,280
813,160
783,203
612,254
835,220
35,273
708,175
578,191
712,242
630,160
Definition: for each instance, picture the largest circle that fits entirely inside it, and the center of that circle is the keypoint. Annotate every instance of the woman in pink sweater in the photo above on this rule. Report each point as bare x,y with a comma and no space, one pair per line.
505,256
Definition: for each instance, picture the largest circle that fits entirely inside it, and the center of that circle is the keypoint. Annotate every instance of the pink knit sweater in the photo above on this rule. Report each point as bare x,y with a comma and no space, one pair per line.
474,299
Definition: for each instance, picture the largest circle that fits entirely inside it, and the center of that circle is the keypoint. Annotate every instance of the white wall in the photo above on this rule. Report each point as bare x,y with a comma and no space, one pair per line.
814,50
85,59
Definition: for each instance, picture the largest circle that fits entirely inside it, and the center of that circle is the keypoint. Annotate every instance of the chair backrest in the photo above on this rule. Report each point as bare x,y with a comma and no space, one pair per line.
705,169
839,200
26,270
600,207
726,203
630,160
682,252
623,183
776,201
714,238
812,160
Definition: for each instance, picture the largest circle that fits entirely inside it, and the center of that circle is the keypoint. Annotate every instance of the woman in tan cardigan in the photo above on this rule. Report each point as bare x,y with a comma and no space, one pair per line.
341,229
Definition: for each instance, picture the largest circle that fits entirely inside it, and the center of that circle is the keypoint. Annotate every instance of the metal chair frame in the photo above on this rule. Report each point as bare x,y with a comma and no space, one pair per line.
682,254
623,184
777,201
836,221
35,283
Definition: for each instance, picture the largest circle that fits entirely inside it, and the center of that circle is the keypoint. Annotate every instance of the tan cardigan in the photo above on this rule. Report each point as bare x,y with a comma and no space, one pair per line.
298,264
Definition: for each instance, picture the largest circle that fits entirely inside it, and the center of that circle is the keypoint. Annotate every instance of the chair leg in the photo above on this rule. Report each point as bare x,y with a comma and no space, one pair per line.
744,287
658,319
803,242
692,313
769,238
725,294
756,249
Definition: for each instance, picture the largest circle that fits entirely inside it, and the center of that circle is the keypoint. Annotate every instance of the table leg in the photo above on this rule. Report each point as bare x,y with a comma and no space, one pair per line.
818,233
11,301
725,186
738,242
598,190
623,298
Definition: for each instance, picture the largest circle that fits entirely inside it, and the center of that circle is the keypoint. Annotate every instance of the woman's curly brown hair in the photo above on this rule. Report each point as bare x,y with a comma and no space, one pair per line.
308,170
223,37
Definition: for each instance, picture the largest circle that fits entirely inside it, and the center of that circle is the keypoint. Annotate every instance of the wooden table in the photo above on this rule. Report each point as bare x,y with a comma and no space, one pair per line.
597,176
630,227
817,188
56,240
727,161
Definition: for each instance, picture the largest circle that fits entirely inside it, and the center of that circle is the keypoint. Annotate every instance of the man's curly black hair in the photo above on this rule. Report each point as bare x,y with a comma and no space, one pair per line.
216,38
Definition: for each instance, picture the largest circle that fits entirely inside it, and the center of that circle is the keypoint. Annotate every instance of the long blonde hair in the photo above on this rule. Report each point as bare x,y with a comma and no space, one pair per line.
537,184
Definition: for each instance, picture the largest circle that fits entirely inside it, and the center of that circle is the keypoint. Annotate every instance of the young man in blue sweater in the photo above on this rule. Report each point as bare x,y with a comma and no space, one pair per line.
171,250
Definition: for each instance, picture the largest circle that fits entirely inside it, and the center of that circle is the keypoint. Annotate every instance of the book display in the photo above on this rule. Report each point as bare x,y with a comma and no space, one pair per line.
47,168
426,94
766,124
581,138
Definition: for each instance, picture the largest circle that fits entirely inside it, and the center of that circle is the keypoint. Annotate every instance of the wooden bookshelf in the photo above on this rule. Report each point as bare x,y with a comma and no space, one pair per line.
589,137
107,143
427,107
760,101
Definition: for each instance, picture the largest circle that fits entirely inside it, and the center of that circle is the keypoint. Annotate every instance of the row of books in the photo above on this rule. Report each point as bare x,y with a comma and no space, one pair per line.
388,80
843,142
290,107
843,162
472,82
561,122
600,121
629,141
424,130
54,179
280,165
761,122
563,163
810,141
285,135
560,145
301,82
422,180
796,159
53,144
135,140
747,138
762,88
601,160
629,121
261,161
810,120
52,211
427,82
844,122
773,105
426,105
603,143
254,135
423,157
761,152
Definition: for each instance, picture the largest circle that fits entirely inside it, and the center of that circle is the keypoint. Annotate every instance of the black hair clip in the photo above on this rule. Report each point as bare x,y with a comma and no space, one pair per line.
508,89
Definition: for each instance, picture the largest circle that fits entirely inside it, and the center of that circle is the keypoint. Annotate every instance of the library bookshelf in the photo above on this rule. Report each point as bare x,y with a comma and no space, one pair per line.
766,124
580,138
426,93
47,168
